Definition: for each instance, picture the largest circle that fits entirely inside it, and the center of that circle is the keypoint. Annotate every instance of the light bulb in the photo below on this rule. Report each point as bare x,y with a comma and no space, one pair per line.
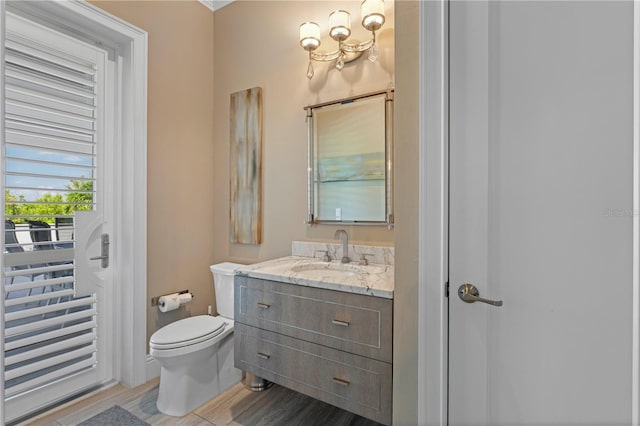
340,25
309,36
372,14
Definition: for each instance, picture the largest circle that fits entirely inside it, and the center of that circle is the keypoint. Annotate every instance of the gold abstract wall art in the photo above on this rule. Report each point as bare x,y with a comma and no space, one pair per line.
246,167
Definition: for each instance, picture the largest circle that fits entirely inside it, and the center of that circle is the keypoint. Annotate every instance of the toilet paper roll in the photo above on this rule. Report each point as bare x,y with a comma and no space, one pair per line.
185,298
171,302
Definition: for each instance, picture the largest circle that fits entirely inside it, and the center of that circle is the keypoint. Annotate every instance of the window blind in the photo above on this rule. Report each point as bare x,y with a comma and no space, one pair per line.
49,172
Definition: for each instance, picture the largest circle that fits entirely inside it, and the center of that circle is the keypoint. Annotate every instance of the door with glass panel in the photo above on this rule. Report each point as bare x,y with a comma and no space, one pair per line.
56,266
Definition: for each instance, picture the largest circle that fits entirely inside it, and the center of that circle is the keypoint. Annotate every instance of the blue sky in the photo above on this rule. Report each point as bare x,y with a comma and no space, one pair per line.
57,163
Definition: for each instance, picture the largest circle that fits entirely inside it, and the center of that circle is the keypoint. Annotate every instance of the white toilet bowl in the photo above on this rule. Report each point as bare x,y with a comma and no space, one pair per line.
196,354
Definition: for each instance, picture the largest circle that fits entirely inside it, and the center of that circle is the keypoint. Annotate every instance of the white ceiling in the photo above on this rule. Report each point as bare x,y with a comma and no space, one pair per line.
215,4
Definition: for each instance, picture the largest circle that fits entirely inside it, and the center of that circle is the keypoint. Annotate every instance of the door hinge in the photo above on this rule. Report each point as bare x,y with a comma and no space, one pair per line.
446,289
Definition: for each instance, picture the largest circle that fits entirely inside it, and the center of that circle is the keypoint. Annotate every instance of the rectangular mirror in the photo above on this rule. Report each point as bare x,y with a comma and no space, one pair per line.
350,160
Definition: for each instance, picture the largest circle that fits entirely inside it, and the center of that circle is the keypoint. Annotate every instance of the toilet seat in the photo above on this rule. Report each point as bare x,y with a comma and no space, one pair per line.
187,332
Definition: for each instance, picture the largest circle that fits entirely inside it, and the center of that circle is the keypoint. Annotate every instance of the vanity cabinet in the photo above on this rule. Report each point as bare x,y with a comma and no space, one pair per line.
331,345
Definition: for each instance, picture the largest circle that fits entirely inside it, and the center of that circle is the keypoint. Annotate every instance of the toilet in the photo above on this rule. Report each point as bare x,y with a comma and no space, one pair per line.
196,354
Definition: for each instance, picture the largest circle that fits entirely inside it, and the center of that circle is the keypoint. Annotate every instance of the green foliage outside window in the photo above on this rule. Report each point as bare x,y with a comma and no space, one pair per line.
80,197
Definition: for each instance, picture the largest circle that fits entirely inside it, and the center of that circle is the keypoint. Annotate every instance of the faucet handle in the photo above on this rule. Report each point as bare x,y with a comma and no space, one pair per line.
363,260
326,257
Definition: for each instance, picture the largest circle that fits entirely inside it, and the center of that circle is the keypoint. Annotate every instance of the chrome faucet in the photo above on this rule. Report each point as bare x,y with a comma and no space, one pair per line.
345,245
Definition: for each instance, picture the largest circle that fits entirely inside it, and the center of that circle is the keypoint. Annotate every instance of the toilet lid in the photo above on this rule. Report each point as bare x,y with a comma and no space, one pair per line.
188,331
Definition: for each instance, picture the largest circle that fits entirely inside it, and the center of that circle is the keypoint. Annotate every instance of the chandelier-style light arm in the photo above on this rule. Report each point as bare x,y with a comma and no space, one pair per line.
325,57
373,18
358,48
344,48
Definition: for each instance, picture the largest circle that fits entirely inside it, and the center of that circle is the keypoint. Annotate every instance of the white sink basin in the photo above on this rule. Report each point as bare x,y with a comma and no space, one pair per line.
337,269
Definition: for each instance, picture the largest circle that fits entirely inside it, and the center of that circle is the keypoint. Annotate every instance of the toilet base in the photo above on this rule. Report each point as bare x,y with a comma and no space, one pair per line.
198,379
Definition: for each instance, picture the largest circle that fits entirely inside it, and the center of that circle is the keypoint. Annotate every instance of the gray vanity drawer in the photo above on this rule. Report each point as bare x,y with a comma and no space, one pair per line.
354,383
350,322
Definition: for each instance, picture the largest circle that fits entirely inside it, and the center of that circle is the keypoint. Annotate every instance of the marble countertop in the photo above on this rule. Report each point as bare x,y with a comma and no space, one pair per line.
373,279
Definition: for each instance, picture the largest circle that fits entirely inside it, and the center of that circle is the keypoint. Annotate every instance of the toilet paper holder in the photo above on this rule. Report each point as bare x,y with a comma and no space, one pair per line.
155,300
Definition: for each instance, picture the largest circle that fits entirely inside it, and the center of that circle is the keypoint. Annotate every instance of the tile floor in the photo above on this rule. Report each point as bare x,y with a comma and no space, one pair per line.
237,406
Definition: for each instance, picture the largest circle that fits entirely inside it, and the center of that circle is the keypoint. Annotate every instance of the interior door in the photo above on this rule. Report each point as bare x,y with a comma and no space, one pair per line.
56,271
541,149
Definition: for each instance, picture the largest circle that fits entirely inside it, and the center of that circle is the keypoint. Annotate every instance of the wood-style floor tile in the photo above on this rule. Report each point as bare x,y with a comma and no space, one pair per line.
82,409
230,404
144,407
286,407
238,406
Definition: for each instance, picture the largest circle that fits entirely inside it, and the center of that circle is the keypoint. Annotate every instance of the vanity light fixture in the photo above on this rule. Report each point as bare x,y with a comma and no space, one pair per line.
340,30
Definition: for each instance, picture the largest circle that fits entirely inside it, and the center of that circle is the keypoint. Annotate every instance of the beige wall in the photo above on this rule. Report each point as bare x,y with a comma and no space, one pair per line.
257,44
405,330
180,149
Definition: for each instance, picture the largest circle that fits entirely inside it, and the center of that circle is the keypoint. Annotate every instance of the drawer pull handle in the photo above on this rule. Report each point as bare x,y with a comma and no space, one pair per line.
342,323
263,356
341,381
264,305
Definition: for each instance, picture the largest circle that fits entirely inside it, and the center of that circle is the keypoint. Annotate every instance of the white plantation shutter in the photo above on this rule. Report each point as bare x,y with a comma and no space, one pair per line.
50,122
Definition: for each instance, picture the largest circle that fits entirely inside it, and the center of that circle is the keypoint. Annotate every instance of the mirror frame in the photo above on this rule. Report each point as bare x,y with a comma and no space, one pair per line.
388,175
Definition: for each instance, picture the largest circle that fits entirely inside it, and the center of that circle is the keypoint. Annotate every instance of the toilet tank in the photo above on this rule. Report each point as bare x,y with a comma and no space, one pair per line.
223,274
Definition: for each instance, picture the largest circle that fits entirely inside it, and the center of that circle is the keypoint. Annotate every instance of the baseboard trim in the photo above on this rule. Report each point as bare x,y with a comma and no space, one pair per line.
153,368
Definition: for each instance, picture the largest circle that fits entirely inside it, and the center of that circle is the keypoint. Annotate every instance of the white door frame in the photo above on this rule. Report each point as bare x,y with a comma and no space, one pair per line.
129,43
433,202
635,378
433,218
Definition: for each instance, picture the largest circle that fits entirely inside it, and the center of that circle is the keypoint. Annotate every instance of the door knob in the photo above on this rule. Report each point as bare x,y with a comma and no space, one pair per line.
470,294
